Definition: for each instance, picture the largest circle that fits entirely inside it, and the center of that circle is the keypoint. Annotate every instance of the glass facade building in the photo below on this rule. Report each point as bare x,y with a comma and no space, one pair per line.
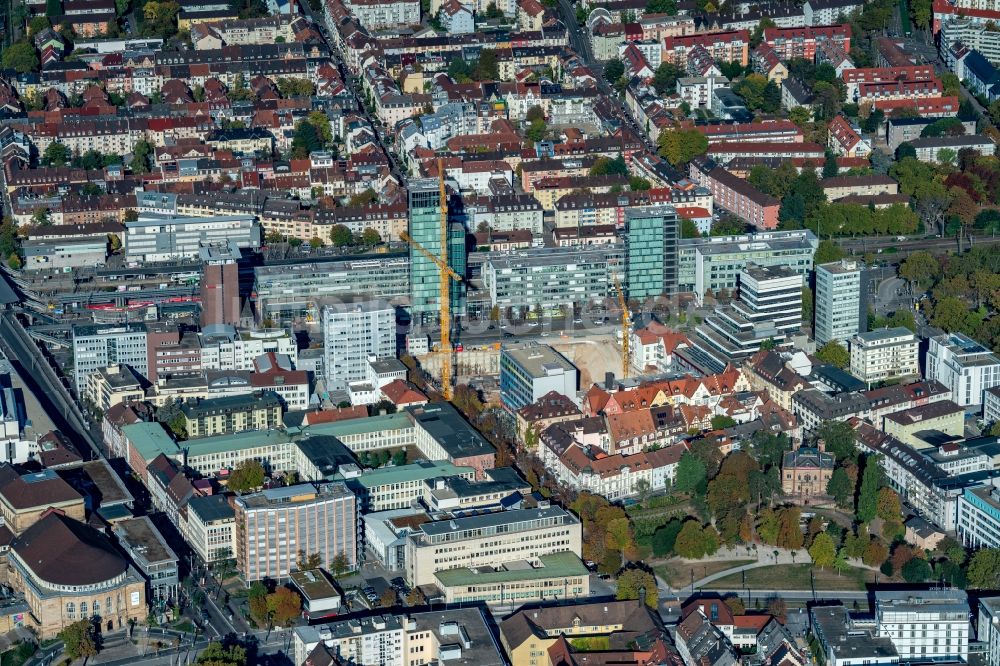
651,239
425,228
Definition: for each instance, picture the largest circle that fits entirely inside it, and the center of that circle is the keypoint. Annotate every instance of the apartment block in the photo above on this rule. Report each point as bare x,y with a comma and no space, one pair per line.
489,540
839,301
219,416
885,355
272,526
791,43
962,365
988,629
353,333
925,625
736,195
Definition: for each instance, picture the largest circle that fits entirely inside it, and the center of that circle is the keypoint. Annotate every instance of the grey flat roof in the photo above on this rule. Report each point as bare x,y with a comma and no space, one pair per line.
211,508
492,520
452,432
537,359
884,334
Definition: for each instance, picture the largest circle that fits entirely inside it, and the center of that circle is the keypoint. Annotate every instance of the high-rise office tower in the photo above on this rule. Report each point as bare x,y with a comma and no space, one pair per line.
651,235
425,228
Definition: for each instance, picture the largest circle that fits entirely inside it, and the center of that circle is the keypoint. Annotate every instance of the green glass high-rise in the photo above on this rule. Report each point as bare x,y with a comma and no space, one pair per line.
425,228
651,239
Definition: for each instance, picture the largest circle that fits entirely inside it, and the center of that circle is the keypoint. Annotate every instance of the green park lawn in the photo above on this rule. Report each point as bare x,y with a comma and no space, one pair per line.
677,572
796,577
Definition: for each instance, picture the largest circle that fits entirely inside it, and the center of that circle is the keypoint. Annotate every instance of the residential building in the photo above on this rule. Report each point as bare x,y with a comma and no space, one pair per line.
839,187
827,12
807,470
528,371
978,524
736,195
210,528
426,210
929,149
651,235
701,642
962,365
624,625
652,347
274,525
164,238
389,14
462,636
769,306
69,571
352,334
97,346
988,629
207,417
844,138
902,130
814,406
116,384
840,308
925,625
885,354
491,539
789,43
943,416
918,481
846,643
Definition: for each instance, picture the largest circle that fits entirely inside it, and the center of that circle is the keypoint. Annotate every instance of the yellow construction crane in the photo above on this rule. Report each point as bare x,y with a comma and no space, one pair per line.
626,324
445,272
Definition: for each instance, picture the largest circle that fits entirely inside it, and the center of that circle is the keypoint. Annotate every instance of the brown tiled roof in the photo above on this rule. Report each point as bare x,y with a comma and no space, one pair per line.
62,551
42,490
550,405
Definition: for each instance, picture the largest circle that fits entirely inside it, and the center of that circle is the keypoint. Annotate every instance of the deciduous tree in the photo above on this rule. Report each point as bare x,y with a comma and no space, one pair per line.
632,581
248,475
284,605
822,550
